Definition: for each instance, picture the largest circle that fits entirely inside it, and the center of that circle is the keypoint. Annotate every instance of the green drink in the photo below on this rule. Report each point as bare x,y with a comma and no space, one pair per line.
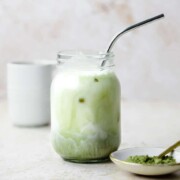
85,112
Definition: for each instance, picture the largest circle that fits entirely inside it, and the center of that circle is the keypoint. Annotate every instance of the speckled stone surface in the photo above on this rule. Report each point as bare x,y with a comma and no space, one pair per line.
26,153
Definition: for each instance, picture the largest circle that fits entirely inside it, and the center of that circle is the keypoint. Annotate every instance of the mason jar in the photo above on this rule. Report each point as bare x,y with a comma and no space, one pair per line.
85,106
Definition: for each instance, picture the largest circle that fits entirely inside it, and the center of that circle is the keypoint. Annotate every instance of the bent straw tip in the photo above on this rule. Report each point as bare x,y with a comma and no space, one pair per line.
162,15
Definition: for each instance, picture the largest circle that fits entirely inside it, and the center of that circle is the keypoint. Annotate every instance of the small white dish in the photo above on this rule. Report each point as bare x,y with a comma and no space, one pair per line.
119,158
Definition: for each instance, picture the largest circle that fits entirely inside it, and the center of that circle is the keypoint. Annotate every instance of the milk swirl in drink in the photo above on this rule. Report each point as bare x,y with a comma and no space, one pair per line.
85,107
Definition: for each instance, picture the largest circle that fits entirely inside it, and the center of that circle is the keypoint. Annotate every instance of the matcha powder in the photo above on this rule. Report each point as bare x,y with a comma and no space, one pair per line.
145,159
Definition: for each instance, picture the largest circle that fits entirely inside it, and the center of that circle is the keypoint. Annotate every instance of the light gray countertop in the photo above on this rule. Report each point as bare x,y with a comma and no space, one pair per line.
26,153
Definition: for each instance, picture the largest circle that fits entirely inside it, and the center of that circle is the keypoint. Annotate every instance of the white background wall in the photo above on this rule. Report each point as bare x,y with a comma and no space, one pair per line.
148,59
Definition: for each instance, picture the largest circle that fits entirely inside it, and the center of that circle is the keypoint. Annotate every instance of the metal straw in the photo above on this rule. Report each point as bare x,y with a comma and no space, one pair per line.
128,29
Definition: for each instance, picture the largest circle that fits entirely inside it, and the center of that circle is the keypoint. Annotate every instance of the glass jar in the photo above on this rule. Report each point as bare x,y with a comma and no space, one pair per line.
85,106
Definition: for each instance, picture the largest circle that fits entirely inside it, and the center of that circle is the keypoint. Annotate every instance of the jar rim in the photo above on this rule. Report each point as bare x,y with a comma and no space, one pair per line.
100,55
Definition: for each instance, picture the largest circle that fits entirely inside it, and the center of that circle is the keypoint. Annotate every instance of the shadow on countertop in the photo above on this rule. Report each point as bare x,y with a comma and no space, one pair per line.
173,176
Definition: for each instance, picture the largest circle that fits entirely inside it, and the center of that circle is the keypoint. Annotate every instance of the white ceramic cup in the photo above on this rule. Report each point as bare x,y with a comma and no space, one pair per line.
28,90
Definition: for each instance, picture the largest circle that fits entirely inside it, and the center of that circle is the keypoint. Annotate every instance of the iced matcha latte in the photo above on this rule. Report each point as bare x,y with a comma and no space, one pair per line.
85,109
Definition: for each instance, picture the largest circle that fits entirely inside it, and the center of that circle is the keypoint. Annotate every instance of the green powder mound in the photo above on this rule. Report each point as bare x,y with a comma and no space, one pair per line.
145,159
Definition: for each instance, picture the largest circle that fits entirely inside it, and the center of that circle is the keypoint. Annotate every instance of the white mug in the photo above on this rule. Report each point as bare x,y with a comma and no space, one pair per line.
28,90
